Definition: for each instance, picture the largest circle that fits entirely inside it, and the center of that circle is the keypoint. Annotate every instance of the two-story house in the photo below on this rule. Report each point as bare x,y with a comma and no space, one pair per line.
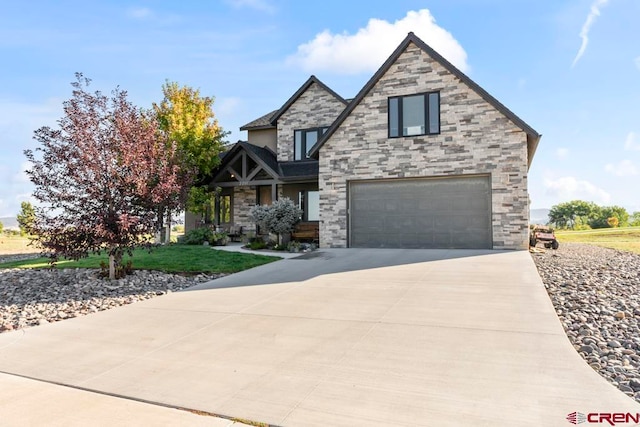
422,157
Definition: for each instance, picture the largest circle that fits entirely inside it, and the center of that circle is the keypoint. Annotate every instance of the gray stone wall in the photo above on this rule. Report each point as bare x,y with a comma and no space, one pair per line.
244,198
475,139
314,108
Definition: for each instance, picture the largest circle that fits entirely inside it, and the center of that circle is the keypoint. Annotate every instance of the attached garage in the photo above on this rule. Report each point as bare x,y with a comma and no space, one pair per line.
430,213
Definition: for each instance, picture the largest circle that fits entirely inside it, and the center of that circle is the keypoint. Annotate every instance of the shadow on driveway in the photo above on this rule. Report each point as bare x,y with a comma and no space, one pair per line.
333,261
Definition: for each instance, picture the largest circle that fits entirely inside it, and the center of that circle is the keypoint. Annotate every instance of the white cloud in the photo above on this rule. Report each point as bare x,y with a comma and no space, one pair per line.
586,27
259,5
632,142
637,62
570,188
562,153
369,47
624,168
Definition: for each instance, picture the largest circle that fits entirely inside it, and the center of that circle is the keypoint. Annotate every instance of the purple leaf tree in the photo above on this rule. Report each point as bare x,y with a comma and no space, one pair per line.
100,178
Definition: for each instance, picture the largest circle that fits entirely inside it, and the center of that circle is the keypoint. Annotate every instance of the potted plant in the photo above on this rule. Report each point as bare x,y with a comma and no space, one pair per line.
220,238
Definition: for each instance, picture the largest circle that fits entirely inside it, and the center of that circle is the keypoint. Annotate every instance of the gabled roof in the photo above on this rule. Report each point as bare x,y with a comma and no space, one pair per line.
286,171
262,156
263,122
299,92
532,136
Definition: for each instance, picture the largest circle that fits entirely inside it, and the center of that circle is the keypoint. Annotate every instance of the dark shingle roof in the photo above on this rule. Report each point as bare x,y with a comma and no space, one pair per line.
263,122
533,137
299,169
267,156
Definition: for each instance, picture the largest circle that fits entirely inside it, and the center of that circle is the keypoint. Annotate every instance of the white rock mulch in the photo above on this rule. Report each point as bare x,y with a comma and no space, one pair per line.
595,292
38,296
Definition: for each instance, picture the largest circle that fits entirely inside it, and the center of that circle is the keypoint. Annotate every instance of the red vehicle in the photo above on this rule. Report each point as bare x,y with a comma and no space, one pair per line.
545,235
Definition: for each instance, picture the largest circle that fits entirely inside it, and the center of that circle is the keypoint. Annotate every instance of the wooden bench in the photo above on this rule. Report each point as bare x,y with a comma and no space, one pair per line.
306,231
235,233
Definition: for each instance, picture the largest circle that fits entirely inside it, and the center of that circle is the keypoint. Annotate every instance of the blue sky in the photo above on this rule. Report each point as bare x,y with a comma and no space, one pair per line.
569,68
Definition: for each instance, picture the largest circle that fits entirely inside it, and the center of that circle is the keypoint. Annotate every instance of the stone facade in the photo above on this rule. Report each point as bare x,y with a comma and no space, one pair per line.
475,138
314,108
244,198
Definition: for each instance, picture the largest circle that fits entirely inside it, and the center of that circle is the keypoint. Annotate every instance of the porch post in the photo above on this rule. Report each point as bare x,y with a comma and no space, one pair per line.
274,192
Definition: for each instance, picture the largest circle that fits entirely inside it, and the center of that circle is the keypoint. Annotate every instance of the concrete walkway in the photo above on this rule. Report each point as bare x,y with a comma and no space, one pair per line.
239,247
337,337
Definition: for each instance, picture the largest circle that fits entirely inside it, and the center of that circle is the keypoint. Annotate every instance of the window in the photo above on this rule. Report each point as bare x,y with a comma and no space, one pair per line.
304,140
224,209
414,115
309,202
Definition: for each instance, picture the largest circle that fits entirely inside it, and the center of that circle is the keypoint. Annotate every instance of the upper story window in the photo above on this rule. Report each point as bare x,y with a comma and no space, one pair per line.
414,115
304,140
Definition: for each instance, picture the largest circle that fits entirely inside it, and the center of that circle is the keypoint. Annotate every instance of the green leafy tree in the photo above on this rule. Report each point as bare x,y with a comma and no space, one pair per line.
1,227
26,218
601,218
187,118
635,219
566,215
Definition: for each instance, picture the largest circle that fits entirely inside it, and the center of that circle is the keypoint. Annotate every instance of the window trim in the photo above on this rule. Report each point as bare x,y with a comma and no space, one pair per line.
321,130
218,207
427,124
303,203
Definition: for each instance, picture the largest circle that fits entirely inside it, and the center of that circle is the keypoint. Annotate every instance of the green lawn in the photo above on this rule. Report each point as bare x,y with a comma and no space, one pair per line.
625,239
171,259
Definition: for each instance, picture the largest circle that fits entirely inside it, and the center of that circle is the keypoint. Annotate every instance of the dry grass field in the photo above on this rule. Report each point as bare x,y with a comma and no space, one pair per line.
624,239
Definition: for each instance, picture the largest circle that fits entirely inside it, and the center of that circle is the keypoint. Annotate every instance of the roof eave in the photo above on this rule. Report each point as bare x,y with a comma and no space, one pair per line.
262,127
532,145
301,178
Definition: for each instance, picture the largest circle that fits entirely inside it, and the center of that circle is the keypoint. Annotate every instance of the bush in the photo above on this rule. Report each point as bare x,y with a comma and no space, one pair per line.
178,228
279,218
256,244
197,236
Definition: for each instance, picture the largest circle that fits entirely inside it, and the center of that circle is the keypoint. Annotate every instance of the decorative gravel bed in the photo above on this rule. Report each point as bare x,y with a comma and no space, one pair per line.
595,293
30,297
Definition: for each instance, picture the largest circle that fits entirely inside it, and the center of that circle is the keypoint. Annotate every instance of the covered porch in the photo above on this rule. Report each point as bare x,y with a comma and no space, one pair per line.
251,175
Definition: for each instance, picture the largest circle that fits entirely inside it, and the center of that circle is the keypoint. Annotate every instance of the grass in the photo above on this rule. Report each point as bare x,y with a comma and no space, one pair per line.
170,259
624,239
10,244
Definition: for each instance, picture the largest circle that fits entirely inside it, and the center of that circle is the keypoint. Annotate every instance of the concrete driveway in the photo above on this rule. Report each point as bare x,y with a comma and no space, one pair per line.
337,337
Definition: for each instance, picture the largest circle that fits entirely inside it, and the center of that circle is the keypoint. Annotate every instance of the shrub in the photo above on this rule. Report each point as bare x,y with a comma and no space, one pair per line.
260,215
197,236
279,218
256,244
178,228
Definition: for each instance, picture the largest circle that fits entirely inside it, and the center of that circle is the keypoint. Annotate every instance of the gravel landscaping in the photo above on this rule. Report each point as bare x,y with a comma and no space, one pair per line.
595,293
30,297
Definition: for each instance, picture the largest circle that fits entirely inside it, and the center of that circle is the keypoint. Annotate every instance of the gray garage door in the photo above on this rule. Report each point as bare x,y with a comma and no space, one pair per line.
421,213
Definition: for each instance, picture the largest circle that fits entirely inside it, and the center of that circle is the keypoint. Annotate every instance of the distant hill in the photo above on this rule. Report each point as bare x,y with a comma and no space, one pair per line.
9,222
539,216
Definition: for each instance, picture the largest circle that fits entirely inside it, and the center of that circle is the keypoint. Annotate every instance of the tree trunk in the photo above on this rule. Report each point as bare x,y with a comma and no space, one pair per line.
167,239
159,233
112,267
